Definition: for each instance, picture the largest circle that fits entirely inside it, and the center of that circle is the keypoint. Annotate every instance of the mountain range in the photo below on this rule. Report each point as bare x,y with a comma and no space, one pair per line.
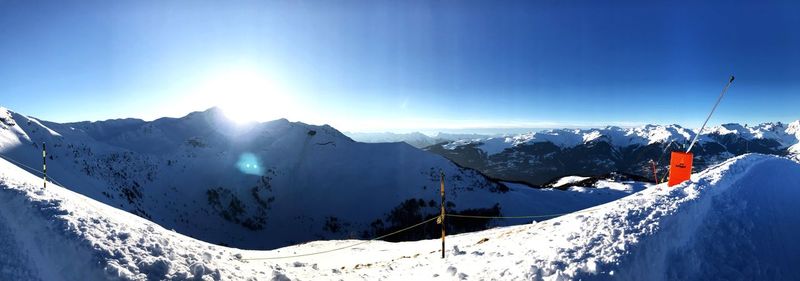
539,158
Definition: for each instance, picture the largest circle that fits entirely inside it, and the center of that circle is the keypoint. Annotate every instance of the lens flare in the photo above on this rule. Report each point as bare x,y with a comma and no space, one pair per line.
249,164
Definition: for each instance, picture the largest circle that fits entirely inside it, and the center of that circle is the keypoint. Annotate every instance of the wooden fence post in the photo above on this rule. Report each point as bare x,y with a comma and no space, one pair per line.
441,216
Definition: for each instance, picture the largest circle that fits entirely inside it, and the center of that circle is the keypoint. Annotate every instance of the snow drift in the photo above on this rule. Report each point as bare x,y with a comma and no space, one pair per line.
733,221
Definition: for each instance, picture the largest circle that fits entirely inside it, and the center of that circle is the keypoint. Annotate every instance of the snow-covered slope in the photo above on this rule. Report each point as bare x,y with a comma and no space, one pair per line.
258,185
57,234
262,185
734,221
537,158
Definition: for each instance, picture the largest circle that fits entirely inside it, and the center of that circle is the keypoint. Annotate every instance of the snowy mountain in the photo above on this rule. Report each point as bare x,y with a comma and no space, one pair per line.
538,158
415,139
734,221
262,185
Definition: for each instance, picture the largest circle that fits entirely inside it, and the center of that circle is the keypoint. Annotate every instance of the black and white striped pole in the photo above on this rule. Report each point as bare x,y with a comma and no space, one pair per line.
44,165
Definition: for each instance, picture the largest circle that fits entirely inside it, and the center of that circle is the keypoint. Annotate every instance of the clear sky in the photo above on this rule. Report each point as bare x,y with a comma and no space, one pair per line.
404,65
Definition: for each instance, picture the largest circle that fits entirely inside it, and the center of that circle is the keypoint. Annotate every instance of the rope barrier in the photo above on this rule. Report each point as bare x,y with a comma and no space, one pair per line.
413,226
50,178
506,217
30,168
18,163
438,218
348,246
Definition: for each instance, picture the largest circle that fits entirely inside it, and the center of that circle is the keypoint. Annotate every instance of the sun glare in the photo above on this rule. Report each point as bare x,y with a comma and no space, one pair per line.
246,95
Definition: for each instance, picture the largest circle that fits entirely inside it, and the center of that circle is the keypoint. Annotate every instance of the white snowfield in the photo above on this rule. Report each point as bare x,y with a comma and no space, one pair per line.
734,221
568,180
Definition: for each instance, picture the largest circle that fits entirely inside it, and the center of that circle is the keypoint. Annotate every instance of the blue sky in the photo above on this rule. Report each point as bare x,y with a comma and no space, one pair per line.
404,65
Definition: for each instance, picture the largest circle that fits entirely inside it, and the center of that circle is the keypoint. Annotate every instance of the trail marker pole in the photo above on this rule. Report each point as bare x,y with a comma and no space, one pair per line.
440,220
44,165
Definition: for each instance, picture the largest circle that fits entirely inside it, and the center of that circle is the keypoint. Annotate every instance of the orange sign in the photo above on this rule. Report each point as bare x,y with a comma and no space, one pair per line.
680,167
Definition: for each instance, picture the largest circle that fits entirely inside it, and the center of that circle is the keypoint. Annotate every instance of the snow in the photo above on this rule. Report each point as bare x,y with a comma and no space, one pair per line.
785,134
15,133
454,144
612,185
650,134
495,145
62,235
568,180
737,129
562,138
735,220
254,186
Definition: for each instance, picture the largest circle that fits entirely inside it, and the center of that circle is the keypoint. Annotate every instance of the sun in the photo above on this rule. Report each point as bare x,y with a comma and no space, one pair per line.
247,95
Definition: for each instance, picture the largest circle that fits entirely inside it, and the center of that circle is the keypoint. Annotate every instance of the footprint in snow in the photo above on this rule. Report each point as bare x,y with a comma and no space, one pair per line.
452,270
458,252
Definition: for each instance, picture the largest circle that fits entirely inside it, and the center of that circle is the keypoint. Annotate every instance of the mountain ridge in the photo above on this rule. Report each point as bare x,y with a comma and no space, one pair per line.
540,157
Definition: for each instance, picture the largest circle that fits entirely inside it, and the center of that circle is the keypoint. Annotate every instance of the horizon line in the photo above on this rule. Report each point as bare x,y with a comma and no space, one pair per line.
456,126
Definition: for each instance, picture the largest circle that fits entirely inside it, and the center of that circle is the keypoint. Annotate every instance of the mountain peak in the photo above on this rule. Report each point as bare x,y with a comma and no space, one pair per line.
794,127
5,117
214,111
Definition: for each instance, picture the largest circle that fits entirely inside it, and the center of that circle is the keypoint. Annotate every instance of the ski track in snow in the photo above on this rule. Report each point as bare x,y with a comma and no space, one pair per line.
733,221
